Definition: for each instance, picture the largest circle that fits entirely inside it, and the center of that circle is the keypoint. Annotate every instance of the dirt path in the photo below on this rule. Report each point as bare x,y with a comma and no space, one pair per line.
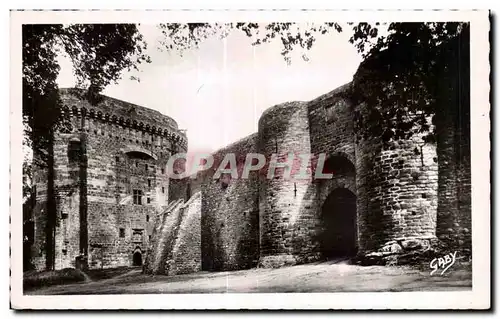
321,277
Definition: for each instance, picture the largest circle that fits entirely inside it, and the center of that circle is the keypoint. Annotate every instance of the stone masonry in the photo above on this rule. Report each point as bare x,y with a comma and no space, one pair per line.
380,207
110,182
385,204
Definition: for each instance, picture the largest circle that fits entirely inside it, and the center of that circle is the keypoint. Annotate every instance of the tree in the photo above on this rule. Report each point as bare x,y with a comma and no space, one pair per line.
408,76
99,52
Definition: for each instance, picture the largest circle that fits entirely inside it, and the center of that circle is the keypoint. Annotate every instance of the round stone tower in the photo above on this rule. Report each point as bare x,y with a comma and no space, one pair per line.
284,202
397,194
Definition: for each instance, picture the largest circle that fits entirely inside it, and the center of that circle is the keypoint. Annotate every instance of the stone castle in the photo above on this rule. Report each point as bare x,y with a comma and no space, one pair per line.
110,181
117,206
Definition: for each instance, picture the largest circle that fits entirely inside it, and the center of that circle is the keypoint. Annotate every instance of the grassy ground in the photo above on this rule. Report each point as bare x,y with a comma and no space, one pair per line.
319,277
40,279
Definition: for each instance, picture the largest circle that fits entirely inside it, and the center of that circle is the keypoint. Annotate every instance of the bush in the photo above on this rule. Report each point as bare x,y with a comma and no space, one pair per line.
49,278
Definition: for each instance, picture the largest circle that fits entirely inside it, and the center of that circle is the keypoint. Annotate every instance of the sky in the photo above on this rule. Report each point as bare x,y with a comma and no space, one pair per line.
218,91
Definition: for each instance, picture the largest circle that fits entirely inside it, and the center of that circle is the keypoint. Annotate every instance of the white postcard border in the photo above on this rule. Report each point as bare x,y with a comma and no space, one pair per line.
478,298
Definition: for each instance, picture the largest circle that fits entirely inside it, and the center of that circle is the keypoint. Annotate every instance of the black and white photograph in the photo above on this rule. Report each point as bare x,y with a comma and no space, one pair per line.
250,160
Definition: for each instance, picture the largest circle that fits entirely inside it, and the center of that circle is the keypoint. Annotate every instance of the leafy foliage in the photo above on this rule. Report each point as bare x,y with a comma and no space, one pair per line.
408,77
292,35
100,52
32,280
41,105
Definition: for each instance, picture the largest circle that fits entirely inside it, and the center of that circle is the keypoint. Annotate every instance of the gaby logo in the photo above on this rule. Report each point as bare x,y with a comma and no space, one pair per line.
444,263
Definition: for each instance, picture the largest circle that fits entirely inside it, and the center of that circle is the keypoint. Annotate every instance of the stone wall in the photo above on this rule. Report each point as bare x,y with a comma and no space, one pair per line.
116,231
332,124
163,236
230,216
287,209
175,247
66,242
177,189
186,251
109,160
397,192
222,211
454,208
332,133
114,198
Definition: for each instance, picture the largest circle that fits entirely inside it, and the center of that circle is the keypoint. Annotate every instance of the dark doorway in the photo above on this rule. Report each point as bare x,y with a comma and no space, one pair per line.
339,238
137,259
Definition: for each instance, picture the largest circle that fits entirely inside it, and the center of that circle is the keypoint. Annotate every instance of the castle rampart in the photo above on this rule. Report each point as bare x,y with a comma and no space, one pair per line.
110,178
115,200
